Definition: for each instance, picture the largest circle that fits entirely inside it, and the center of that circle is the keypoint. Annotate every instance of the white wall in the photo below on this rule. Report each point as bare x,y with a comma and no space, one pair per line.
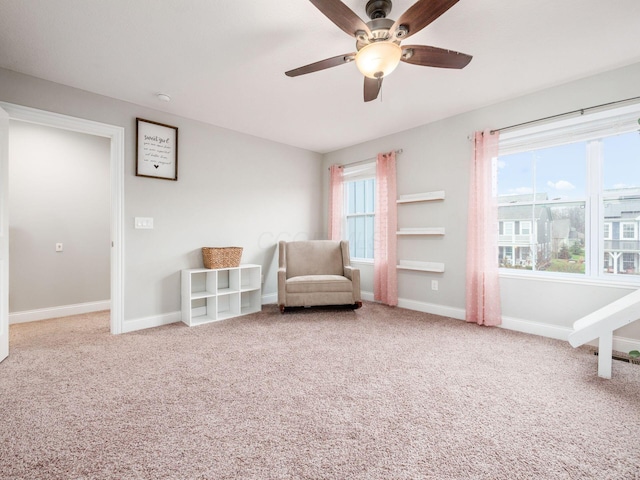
58,193
436,157
233,189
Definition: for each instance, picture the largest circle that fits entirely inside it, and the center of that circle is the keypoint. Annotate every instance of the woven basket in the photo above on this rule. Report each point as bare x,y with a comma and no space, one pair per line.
221,257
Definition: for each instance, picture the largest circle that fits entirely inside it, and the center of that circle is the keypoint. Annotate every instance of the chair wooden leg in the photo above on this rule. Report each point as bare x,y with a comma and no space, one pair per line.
281,308
358,305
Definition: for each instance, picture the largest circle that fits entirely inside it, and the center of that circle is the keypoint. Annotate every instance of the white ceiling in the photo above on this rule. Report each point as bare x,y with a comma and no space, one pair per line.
223,62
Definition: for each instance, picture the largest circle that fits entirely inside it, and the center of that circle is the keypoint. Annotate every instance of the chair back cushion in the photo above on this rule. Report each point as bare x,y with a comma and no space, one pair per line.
314,257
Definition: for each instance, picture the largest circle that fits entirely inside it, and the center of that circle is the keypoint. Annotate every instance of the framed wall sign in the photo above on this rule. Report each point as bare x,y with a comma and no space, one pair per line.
156,150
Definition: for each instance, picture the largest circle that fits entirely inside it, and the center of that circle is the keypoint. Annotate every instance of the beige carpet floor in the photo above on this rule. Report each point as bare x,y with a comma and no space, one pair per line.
375,393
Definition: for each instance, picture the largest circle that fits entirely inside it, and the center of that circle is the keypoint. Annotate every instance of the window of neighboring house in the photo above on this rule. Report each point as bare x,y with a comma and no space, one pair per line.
629,263
359,207
508,228
573,187
628,231
506,256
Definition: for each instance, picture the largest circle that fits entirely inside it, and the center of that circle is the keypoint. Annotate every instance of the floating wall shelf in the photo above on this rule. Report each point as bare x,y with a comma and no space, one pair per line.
421,231
435,267
421,266
421,197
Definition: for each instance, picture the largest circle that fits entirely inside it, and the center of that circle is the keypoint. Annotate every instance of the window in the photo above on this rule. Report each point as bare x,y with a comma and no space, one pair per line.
359,205
508,228
628,231
570,192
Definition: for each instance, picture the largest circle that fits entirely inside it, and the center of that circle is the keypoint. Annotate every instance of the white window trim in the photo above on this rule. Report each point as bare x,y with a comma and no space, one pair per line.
585,128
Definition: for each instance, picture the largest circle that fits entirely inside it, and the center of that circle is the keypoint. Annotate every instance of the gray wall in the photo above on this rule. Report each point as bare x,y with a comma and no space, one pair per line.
436,157
58,193
233,189
236,189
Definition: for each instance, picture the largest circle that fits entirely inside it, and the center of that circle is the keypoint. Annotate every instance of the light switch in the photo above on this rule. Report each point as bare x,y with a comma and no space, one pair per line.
59,247
144,222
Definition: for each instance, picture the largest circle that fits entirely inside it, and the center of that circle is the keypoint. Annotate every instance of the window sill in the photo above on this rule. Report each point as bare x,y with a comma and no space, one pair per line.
362,261
631,283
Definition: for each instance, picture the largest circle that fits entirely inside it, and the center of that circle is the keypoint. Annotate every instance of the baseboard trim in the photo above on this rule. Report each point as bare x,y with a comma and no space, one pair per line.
433,308
57,312
536,328
368,296
151,321
620,344
269,298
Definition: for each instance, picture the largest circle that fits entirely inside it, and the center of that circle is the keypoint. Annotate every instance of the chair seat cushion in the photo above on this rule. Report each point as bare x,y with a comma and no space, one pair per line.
318,283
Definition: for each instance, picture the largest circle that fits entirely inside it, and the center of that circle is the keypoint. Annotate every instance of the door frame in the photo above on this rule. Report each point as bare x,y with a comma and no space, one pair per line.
116,135
4,231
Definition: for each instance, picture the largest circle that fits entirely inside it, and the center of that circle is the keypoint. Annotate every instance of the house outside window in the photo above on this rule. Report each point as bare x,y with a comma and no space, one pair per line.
359,210
571,191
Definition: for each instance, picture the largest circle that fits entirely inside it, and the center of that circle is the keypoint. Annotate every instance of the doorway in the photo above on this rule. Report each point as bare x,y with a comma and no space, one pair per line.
116,173
59,222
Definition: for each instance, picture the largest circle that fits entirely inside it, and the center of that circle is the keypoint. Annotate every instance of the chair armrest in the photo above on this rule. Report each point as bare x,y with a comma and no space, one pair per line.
348,272
282,255
282,292
353,274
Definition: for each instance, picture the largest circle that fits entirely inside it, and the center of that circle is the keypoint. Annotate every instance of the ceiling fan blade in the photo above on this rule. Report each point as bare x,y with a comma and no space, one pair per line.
434,57
321,65
371,88
421,14
342,16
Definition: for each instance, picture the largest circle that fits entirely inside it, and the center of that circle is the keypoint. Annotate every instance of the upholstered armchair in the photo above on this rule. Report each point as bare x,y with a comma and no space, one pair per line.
317,272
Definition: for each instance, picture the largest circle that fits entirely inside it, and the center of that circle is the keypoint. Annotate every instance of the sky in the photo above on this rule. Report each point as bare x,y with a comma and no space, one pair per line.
561,171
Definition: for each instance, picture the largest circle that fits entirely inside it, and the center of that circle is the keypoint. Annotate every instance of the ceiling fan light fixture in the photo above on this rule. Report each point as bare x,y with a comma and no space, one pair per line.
378,59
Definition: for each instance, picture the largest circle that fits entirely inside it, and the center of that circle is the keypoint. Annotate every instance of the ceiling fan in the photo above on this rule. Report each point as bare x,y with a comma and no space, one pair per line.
378,41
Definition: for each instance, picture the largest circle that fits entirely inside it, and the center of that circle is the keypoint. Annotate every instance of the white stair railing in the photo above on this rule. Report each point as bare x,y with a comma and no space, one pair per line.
601,324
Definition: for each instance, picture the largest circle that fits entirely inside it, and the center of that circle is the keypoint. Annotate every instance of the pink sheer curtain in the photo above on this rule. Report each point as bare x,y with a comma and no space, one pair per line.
336,198
385,281
483,289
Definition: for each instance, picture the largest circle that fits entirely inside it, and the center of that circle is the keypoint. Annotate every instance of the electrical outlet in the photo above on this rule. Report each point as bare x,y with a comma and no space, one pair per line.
434,284
59,247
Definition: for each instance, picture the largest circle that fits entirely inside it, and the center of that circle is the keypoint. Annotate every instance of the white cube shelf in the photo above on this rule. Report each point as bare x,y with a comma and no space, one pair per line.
209,295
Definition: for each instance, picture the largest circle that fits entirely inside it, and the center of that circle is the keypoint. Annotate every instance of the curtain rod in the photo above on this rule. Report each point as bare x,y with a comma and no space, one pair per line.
581,111
367,160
